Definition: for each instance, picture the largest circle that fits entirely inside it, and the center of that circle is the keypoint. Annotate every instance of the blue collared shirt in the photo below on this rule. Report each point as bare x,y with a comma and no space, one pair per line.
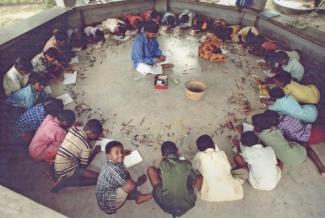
26,97
144,50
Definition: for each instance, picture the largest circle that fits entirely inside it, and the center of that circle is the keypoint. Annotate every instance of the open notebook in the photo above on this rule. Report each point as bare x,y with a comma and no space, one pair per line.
129,160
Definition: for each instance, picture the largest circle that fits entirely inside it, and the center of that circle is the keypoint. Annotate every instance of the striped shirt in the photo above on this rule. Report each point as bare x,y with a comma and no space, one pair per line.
73,153
111,177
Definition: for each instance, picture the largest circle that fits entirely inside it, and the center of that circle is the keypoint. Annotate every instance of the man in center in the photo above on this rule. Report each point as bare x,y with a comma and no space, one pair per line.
146,56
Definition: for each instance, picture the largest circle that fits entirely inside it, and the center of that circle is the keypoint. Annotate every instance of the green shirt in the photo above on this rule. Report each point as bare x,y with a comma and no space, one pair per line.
289,152
176,192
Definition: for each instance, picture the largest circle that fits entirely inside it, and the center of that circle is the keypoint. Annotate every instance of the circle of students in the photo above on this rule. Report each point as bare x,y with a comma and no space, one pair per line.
282,135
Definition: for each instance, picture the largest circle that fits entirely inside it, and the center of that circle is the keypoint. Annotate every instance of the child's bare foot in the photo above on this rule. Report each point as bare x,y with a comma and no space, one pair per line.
322,172
167,65
141,180
141,198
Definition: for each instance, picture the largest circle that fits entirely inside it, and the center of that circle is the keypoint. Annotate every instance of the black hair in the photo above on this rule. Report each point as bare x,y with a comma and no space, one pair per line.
283,77
37,78
52,52
204,142
171,20
111,145
223,32
261,122
23,64
184,18
99,36
282,55
94,126
155,14
168,147
53,106
277,92
272,116
67,116
138,24
151,27
249,138
60,35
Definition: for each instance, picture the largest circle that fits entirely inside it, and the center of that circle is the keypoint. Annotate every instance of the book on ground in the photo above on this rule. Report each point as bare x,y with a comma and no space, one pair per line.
66,98
70,78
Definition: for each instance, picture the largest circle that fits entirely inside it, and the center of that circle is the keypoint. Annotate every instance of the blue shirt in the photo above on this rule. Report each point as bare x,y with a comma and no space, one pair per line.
25,97
31,120
144,50
288,105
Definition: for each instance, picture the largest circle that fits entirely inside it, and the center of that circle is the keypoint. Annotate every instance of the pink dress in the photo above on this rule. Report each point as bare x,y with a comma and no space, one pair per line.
47,139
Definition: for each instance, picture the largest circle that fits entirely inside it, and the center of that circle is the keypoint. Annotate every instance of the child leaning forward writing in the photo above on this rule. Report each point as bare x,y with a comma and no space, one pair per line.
114,184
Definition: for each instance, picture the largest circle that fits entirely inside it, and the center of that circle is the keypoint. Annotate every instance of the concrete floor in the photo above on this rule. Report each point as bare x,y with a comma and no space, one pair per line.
124,98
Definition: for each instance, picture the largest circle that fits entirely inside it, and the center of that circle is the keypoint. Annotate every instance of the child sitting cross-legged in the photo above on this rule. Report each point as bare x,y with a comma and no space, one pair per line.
218,182
50,135
31,94
291,153
114,184
260,161
295,130
174,182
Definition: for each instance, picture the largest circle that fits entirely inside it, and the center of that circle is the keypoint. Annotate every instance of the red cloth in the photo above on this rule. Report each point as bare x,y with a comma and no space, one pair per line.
132,19
317,135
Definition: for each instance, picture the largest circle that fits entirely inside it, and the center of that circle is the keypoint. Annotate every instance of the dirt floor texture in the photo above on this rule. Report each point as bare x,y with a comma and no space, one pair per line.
133,112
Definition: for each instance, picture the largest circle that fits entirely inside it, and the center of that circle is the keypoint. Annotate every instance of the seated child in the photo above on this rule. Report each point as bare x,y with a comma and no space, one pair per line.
294,130
260,161
291,153
291,65
31,120
246,31
200,23
218,182
152,15
94,34
134,22
28,96
59,40
169,20
114,185
147,58
259,45
308,94
77,38
45,63
74,155
115,27
288,105
50,135
17,77
185,19
174,182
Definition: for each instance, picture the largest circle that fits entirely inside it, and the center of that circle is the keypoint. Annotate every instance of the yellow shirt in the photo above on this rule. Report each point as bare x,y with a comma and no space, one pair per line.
304,94
244,31
218,182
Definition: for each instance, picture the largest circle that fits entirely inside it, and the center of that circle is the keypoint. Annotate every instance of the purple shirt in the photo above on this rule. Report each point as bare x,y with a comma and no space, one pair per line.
293,129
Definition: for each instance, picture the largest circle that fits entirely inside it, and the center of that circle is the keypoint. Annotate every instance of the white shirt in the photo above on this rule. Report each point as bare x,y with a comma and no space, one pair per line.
90,31
189,23
13,81
264,174
218,182
295,68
